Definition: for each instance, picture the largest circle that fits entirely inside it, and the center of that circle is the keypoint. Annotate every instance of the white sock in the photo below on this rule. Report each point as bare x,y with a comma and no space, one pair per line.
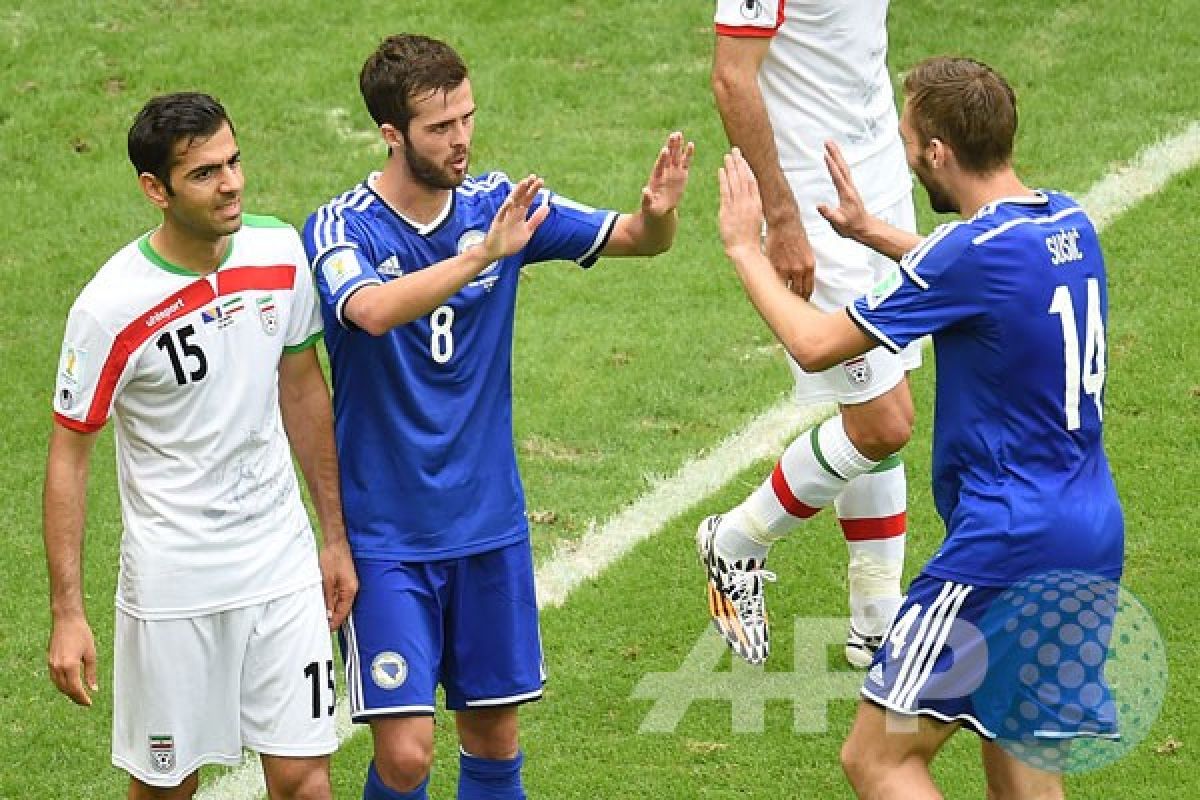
872,513
812,472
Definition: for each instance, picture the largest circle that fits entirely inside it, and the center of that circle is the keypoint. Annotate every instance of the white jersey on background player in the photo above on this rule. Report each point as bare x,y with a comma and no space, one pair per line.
789,75
825,76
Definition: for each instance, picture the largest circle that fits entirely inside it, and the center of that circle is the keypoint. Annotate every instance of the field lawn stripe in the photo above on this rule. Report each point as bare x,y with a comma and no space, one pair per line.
764,436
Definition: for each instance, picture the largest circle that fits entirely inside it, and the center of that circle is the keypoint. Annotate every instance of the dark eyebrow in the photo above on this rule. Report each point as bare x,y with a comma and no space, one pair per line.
233,159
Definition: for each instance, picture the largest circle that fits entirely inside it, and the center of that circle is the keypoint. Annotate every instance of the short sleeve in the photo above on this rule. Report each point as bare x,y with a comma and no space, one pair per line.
338,266
83,387
746,18
571,232
933,288
304,320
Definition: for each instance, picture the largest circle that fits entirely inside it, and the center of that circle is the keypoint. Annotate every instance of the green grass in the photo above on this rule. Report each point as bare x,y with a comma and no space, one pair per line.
622,373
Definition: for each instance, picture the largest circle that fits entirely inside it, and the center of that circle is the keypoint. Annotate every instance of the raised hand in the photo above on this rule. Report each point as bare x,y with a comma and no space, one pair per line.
668,177
513,226
850,217
739,218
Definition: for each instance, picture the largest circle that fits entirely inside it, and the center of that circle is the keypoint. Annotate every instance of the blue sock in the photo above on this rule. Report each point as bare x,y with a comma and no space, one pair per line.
489,779
376,789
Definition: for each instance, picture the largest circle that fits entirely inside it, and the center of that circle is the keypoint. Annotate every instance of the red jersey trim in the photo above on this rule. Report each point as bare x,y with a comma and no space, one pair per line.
188,299
76,425
750,31
737,32
249,279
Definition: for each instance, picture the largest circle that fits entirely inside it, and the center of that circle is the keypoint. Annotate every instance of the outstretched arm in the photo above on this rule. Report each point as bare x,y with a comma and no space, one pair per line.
308,421
816,339
736,61
379,308
71,655
851,220
651,230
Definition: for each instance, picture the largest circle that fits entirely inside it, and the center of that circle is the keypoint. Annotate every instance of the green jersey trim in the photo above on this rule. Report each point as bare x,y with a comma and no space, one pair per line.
157,260
307,343
263,221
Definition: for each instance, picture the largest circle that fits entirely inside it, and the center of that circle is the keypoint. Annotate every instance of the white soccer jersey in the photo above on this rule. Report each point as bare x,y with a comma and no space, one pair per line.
825,76
187,366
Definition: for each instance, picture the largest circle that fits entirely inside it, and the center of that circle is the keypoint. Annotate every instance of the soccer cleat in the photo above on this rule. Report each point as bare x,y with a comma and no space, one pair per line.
861,649
736,600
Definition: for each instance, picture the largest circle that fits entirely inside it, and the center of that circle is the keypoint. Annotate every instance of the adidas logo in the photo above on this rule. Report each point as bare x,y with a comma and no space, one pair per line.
390,267
876,674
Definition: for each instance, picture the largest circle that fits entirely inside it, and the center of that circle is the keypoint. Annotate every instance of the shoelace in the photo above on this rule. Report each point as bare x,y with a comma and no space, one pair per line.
746,594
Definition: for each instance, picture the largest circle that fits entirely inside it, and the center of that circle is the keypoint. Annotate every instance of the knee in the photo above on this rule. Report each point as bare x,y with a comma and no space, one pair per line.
881,435
404,764
308,785
857,766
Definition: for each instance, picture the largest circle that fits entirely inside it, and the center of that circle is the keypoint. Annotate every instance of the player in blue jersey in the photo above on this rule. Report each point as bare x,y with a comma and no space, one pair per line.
417,268
1014,296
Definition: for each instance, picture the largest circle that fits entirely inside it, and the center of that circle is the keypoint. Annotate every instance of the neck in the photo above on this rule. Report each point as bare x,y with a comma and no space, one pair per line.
413,199
976,191
202,256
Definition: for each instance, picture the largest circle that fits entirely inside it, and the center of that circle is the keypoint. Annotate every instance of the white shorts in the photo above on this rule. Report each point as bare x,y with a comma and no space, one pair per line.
196,690
846,270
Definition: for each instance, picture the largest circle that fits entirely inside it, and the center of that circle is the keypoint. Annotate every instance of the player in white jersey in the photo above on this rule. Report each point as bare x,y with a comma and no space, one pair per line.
198,340
788,75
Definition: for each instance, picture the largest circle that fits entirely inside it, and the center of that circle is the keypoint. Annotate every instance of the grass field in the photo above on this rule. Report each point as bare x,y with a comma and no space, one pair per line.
621,374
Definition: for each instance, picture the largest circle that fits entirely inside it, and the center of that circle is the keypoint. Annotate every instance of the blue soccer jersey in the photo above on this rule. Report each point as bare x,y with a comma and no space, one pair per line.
423,413
1016,301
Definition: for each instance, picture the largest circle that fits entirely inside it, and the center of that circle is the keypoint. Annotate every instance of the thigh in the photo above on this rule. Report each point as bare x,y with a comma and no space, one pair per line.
393,640
885,739
1009,778
494,645
175,694
287,686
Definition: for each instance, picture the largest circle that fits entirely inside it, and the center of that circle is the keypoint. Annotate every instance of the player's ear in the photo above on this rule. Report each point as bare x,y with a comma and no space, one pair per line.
391,136
937,152
155,190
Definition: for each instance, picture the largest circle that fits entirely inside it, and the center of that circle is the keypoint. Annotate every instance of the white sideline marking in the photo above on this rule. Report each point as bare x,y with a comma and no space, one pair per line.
1129,184
764,436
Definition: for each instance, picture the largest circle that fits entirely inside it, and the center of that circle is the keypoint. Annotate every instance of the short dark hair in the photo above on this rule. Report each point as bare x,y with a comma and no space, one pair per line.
405,66
164,121
966,104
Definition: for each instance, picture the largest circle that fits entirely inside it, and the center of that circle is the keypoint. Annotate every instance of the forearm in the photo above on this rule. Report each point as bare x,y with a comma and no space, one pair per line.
63,512
886,239
816,339
308,422
379,308
748,127
642,234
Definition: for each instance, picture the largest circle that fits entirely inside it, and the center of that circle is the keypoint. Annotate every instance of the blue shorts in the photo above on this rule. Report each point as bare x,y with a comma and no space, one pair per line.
470,624
1023,663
